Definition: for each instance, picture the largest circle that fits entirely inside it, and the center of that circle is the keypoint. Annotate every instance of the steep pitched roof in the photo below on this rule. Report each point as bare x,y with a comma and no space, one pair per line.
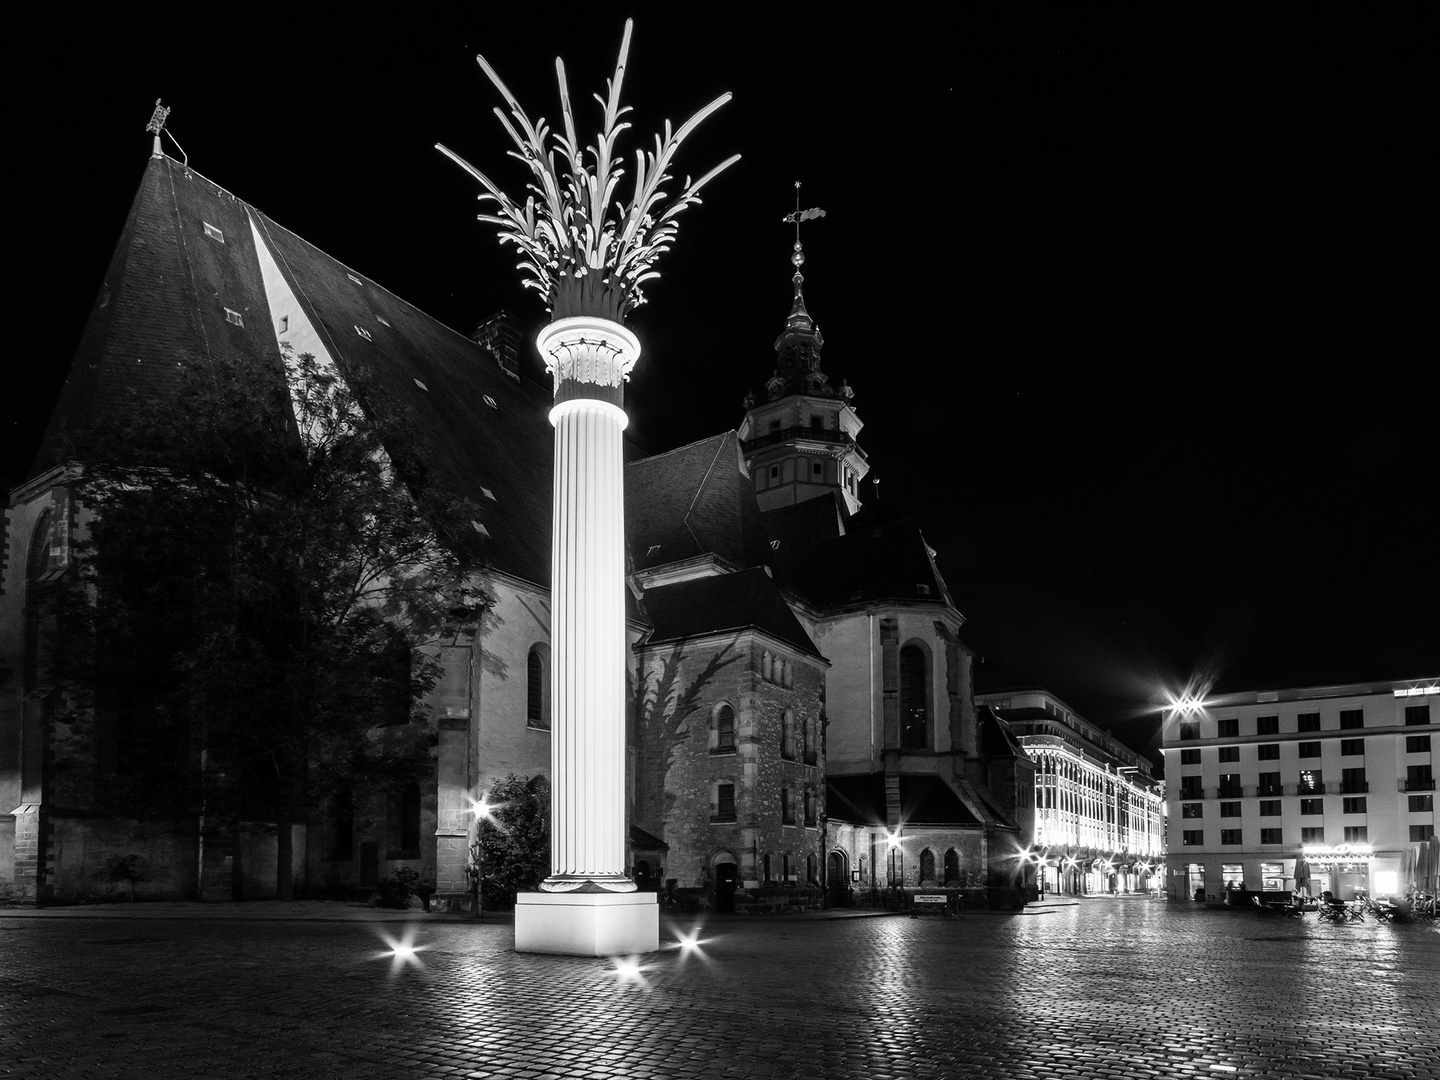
722,603
162,309
925,799
885,562
693,501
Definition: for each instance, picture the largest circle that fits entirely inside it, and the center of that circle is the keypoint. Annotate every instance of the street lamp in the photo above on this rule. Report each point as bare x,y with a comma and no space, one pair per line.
481,809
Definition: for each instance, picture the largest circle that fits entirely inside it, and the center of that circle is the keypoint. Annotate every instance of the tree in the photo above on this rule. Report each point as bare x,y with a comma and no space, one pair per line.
514,838
265,563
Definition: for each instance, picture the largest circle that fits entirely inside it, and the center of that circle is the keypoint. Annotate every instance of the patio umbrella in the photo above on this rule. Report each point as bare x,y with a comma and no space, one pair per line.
1434,849
1409,884
1302,875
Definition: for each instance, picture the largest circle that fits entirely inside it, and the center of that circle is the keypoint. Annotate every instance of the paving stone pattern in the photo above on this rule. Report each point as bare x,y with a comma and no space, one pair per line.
1107,988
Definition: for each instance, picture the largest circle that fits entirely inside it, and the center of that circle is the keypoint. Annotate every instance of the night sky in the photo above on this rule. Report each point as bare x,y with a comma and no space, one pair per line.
1139,310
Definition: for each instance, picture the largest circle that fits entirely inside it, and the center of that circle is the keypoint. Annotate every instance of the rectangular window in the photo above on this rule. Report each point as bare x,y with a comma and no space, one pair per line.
1269,807
1419,778
1352,782
817,470
1190,788
1309,721
1269,751
1309,749
1190,756
1356,834
234,318
1271,836
1229,753
1229,836
1313,835
1267,725
1354,806
787,807
1421,804
1230,786
1351,719
1417,744
1189,729
1420,833
1352,747
1270,784
1312,782
1192,810
1312,806
1416,715
1228,728
1193,838
725,802
213,233
1229,809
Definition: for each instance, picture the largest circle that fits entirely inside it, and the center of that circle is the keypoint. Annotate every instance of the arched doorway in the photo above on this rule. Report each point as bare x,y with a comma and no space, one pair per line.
727,877
837,879
647,876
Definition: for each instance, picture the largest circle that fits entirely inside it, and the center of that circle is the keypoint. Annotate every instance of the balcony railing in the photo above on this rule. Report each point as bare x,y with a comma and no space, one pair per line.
800,434
1417,785
1355,787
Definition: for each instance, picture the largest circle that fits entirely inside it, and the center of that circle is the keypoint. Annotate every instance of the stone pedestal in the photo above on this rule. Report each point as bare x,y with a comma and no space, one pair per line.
587,906
587,924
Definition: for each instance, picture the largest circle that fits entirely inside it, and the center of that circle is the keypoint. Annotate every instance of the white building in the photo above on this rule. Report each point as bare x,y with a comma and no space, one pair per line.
1341,775
1099,815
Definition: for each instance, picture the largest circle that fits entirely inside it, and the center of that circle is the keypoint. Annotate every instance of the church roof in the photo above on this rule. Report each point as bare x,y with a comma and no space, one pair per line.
884,562
925,799
808,521
162,309
693,501
724,603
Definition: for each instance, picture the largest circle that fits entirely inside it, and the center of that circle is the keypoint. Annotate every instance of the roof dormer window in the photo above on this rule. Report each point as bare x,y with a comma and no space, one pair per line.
364,333
234,317
213,233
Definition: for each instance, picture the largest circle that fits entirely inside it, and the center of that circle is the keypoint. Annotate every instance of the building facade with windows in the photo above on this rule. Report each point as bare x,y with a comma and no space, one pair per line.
1099,814
1341,777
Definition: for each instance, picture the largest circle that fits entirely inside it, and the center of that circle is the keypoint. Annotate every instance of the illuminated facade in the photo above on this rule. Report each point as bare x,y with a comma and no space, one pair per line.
1343,776
1099,816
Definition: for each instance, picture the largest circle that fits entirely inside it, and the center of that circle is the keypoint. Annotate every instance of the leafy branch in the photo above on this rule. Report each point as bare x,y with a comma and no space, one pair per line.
583,249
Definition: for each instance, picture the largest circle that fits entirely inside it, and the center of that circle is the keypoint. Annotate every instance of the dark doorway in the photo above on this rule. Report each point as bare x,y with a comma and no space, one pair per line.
837,880
369,863
647,876
725,876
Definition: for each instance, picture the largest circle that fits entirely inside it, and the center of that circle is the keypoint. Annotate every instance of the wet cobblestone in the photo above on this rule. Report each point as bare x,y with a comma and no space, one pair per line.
1108,988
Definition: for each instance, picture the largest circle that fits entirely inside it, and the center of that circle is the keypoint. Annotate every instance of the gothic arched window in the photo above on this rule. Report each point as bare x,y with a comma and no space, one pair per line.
787,734
927,865
722,730
537,688
952,866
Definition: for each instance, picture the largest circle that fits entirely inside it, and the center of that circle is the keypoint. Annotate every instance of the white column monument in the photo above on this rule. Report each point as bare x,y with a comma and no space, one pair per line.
587,253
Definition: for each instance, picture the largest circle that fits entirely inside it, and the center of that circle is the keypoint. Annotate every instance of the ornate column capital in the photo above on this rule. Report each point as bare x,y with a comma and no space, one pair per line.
588,357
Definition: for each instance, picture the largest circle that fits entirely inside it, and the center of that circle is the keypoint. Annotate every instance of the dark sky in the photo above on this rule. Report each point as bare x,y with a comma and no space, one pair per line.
1140,310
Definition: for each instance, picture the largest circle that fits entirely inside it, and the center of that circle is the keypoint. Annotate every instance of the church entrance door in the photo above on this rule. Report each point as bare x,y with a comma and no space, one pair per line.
837,880
725,880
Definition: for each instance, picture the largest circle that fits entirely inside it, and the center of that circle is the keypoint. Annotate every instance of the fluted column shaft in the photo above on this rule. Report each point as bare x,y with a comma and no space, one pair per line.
589,359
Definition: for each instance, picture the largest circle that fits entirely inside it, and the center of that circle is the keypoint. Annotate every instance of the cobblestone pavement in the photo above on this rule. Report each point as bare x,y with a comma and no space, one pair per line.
1107,988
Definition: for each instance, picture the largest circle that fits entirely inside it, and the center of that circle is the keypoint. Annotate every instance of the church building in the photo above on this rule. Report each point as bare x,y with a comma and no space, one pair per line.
802,720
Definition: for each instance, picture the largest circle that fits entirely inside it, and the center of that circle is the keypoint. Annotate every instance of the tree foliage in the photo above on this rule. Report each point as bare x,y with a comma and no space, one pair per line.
515,839
264,564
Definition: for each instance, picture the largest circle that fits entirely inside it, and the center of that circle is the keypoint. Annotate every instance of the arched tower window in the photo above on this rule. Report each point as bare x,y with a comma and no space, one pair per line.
722,730
952,866
914,726
927,865
787,734
537,688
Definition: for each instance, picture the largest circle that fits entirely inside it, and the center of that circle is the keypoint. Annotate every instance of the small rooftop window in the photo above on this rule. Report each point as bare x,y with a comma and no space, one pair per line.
481,529
284,323
355,279
213,233
488,493
364,333
234,317
923,590
422,386
654,548
491,402
382,320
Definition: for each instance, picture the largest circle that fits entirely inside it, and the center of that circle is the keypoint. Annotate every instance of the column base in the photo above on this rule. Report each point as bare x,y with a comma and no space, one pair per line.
587,924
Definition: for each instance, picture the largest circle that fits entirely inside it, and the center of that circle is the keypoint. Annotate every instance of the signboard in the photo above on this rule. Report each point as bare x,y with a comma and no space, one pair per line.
930,899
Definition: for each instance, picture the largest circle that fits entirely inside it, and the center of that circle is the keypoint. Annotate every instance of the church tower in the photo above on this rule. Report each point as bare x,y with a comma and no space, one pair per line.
799,442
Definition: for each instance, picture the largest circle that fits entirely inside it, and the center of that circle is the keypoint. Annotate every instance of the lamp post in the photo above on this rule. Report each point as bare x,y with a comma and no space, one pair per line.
481,809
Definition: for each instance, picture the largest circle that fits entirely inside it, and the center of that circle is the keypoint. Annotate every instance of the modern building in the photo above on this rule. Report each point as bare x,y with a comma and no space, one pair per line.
782,640
1335,782
1099,813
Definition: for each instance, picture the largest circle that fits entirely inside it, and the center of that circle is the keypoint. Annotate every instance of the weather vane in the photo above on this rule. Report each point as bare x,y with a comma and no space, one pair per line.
797,217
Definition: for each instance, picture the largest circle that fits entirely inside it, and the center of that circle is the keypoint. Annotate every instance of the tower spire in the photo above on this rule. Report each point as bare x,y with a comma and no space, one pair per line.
798,315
